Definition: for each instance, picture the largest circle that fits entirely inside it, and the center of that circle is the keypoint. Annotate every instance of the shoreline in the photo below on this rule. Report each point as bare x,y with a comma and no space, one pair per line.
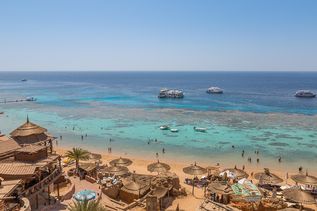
189,202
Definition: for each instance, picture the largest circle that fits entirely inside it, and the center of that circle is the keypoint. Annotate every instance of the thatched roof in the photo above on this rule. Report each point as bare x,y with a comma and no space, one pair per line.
267,177
305,179
135,188
116,170
31,148
7,145
299,196
27,129
194,170
220,187
87,166
121,162
239,173
158,167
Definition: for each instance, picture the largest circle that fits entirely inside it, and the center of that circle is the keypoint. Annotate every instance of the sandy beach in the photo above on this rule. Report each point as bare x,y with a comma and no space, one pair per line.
189,202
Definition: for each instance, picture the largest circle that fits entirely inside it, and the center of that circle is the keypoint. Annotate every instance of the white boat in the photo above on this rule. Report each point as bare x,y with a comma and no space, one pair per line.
214,90
200,129
164,127
174,130
170,93
305,94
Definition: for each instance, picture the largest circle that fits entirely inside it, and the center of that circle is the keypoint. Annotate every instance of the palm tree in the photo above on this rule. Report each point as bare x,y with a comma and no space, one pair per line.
77,154
86,206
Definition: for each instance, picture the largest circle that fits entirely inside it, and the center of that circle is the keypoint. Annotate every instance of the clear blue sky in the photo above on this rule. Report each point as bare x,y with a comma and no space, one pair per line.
158,35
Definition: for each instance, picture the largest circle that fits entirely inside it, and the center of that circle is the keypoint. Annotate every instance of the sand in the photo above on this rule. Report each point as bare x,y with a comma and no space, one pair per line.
189,202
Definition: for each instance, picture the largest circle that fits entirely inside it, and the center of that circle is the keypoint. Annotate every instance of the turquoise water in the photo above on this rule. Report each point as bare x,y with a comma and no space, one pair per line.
131,118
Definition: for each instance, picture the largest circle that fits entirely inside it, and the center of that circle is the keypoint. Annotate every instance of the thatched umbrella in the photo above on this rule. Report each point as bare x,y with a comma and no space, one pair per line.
212,169
121,162
239,173
158,167
297,195
267,177
305,179
194,170
116,170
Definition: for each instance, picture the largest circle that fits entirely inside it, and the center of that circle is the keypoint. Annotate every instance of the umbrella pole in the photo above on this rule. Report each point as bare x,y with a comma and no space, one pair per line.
193,186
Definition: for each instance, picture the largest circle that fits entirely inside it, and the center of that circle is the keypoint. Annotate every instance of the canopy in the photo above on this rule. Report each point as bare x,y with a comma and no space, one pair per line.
194,170
85,195
158,167
299,196
305,179
267,177
247,190
121,162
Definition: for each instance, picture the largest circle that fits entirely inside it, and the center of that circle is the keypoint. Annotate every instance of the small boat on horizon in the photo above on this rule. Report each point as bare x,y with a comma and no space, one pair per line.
305,94
24,80
200,129
164,127
214,90
174,130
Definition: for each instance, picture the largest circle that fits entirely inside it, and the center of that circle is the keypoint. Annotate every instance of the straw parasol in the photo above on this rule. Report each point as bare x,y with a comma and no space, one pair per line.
121,162
267,177
213,169
239,173
116,170
220,187
194,170
297,195
305,179
158,167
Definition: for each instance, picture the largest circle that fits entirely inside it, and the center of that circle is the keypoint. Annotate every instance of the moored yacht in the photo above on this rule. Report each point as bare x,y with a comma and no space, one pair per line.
170,93
305,94
164,127
214,90
200,129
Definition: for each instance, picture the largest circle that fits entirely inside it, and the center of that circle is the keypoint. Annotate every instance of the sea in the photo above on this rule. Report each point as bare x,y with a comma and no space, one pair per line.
121,110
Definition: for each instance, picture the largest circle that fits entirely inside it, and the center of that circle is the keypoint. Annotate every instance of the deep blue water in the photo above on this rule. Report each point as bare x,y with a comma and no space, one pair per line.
244,91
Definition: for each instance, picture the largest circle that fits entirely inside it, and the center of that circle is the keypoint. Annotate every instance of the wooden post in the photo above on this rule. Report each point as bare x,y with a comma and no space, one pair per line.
37,201
58,190
48,192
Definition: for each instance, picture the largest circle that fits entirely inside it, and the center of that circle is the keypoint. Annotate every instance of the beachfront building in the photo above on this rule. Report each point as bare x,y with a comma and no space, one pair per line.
30,133
27,172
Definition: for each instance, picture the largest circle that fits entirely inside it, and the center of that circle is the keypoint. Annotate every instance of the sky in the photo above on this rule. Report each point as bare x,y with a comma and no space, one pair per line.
212,35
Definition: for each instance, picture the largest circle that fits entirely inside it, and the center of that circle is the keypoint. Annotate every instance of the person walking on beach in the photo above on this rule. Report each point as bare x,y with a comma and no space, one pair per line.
280,159
242,153
82,137
157,155
163,150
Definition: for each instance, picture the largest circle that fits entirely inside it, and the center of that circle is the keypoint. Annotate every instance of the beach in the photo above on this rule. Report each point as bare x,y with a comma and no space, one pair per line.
189,202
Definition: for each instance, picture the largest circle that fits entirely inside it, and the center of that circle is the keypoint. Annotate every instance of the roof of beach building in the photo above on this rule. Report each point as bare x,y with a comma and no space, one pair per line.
18,170
7,145
12,167
32,148
27,129
29,133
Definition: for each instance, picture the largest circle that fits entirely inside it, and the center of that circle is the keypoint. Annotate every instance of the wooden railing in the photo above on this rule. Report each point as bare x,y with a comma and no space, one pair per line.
43,183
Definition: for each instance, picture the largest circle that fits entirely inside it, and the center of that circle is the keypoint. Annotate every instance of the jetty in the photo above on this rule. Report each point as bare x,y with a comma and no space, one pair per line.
27,99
